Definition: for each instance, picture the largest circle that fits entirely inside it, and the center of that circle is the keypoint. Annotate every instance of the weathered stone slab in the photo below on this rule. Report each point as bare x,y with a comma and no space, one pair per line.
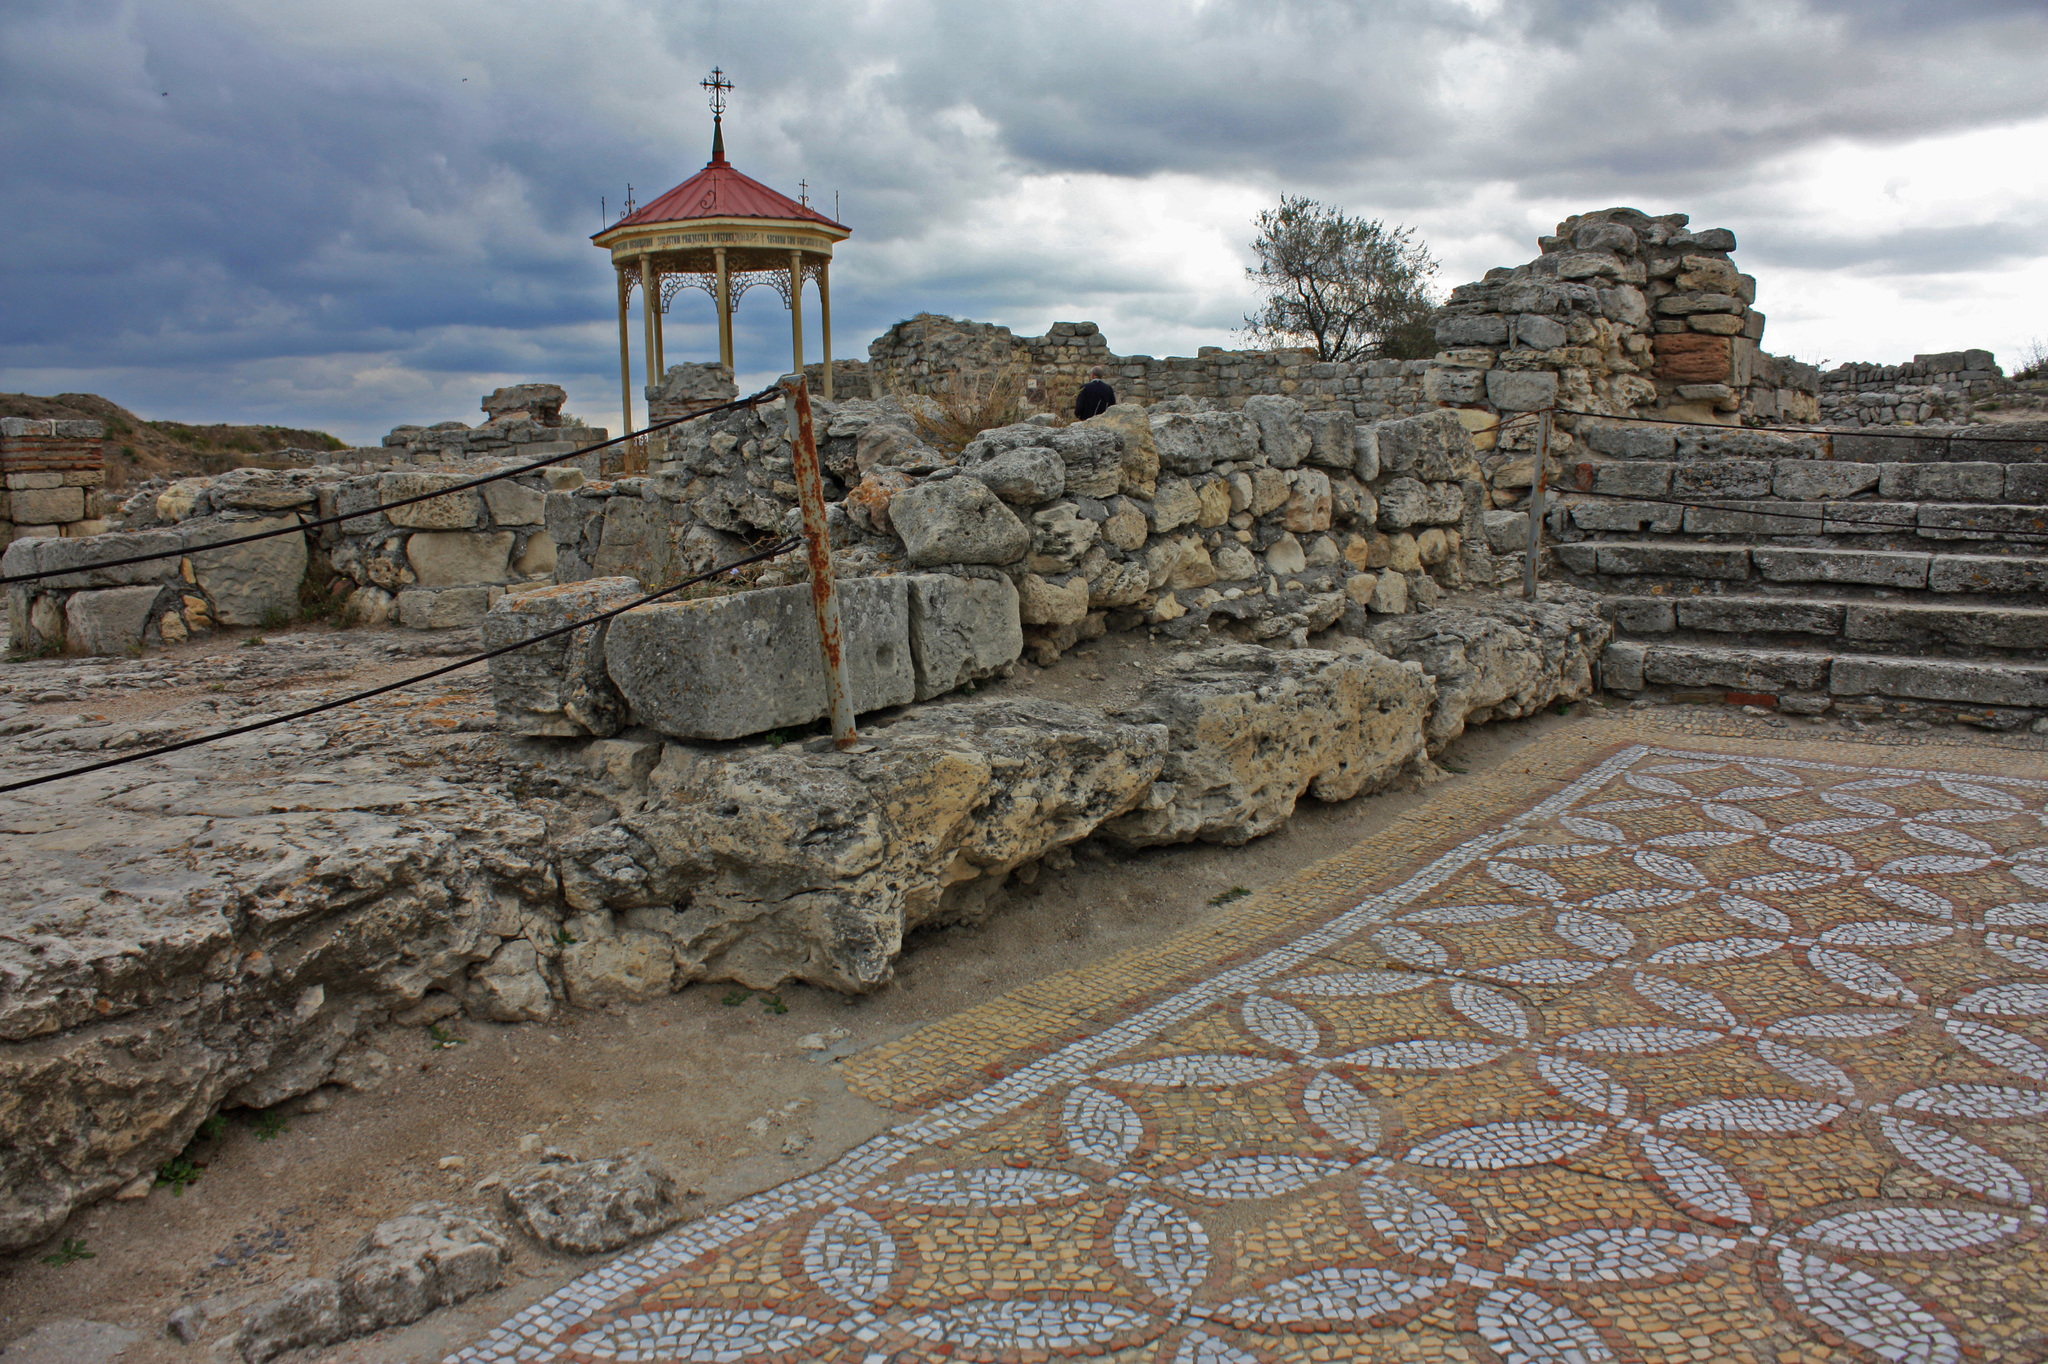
593,1206
961,630
250,582
1521,390
451,511
1973,627
112,620
1621,666
558,686
1633,517
1025,475
2026,484
1755,670
1752,518
1869,518
1251,730
1643,615
1957,482
1814,480
1722,478
50,554
728,667
513,504
1615,479
1632,442
460,558
1433,446
1878,568
1677,561
445,608
1981,521
1760,615
1987,573
1984,684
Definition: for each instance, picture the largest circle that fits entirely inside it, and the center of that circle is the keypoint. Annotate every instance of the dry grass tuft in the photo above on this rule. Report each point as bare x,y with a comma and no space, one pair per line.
968,405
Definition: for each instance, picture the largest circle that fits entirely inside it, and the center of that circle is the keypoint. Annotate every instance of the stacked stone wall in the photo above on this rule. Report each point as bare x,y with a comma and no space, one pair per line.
1940,388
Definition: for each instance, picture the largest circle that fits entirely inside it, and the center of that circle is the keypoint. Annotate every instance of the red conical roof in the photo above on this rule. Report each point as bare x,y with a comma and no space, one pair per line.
719,191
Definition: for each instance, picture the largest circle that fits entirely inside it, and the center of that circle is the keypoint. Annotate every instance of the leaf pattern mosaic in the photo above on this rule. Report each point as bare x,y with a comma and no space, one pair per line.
1704,1056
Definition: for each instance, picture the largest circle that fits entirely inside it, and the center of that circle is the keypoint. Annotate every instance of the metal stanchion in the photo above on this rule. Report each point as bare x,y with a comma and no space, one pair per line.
810,491
1536,505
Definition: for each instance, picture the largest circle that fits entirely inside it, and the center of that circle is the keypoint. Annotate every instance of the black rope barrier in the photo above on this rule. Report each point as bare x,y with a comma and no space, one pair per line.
780,547
754,400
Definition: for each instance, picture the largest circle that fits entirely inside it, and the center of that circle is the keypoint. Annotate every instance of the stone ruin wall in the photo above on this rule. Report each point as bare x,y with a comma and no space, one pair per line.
1940,388
51,478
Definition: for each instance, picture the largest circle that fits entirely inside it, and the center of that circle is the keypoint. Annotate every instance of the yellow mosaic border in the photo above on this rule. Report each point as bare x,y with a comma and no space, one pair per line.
958,1055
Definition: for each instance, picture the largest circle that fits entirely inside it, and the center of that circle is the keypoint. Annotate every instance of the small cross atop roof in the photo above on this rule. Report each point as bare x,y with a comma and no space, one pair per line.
717,84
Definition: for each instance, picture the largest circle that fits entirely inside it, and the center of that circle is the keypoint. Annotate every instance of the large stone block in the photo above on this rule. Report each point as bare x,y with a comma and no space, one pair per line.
1431,446
112,620
1484,329
513,504
1987,573
957,521
1139,469
1333,439
1251,730
1403,503
451,511
1752,518
2026,484
1521,390
250,582
1812,480
445,608
1760,615
1196,442
1722,562
1635,517
1875,567
1983,684
728,667
1631,442
1754,670
44,506
1969,627
1956,482
1869,518
1722,478
1283,435
1979,520
1025,475
460,558
558,686
51,554
961,630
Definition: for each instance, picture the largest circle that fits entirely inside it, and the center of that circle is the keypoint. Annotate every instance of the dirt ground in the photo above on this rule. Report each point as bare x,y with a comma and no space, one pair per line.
714,1083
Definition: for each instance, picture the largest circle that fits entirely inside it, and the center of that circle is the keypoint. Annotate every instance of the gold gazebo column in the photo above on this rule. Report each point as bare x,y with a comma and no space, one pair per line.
724,308
660,343
625,352
825,317
648,305
796,311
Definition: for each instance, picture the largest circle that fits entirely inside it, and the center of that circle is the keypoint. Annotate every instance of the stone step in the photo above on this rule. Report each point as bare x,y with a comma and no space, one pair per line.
1810,480
1809,676
1931,571
1994,521
1969,627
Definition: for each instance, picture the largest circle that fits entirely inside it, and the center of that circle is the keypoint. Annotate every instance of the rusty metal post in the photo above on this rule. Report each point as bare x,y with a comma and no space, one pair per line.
810,492
1536,505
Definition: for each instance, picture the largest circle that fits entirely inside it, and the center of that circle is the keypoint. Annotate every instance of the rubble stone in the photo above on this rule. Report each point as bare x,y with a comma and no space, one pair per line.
593,1206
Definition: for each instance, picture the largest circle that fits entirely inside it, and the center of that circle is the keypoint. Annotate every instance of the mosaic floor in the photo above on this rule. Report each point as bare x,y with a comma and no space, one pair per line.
1722,1051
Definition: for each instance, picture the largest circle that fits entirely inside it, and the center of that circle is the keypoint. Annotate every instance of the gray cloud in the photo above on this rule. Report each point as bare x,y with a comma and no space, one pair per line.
324,221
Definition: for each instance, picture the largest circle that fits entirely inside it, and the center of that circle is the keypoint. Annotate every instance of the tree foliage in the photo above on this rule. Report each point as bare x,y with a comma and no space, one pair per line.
1353,288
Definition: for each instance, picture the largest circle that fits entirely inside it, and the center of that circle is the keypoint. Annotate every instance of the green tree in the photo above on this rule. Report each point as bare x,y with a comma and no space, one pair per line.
1353,288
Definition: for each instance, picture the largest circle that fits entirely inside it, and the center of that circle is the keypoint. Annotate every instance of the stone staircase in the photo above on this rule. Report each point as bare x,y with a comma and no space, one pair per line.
1813,575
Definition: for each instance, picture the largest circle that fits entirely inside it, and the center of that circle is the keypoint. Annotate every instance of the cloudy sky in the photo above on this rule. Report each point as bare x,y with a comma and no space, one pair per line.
352,215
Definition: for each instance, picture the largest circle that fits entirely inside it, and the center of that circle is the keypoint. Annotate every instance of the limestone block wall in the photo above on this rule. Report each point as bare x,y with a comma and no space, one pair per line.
51,477
1932,388
1271,521
521,419
928,353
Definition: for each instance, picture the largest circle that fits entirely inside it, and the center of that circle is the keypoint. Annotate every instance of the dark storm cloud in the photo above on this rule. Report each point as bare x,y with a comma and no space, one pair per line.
324,221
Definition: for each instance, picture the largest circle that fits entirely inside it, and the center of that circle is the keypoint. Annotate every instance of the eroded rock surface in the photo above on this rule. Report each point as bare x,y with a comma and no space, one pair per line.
1500,658
589,1206
1250,730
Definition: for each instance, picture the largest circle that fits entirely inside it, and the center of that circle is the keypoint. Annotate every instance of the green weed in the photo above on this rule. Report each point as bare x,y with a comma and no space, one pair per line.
442,1037
213,1127
1234,893
178,1172
563,938
253,642
270,1125
773,1004
71,1252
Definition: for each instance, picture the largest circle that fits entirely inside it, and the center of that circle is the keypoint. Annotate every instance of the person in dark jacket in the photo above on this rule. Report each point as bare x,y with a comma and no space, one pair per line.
1095,397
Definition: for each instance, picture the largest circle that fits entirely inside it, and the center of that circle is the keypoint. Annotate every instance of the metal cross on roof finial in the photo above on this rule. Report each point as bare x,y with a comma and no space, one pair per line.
803,193
717,85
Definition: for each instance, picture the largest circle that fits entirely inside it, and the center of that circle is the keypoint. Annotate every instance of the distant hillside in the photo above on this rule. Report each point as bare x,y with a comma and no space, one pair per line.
138,449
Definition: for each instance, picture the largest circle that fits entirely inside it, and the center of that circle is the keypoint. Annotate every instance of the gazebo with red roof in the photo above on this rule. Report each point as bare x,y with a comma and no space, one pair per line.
722,232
